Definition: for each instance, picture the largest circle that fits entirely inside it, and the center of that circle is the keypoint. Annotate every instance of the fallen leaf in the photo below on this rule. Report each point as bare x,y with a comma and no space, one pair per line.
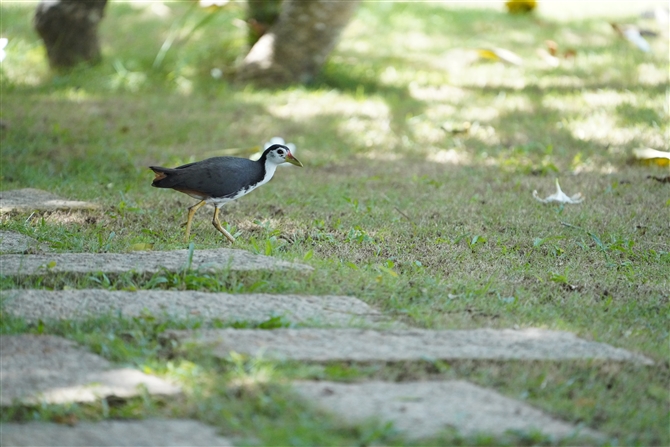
456,128
552,47
551,55
500,54
520,6
560,196
633,34
548,58
652,156
570,53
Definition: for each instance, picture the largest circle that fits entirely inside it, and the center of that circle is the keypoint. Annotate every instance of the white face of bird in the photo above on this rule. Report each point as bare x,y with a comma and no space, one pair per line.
279,154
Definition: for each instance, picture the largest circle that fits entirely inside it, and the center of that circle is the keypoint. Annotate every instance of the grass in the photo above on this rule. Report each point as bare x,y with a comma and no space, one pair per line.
415,197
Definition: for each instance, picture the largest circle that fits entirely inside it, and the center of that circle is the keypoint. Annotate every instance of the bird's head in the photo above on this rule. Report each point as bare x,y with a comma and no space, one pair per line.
278,154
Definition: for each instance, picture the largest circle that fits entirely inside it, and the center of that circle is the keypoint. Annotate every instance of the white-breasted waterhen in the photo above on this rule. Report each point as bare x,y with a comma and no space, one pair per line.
220,180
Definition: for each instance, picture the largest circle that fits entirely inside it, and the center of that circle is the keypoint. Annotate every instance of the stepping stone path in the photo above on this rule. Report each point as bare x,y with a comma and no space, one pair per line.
37,368
424,409
30,199
12,242
142,262
364,345
34,305
50,369
149,433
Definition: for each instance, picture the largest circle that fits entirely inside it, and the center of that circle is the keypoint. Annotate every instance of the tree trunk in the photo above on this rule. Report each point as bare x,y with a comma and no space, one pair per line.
261,15
296,47
69,29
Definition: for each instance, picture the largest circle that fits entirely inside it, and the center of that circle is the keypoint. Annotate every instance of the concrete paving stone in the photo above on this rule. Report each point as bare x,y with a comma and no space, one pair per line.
423,409
79,304
30,199
365,345
145,433
44,368
13,242
141,262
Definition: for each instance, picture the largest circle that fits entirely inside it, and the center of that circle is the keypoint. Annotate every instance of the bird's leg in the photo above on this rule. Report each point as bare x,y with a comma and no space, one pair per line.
191,213
217,225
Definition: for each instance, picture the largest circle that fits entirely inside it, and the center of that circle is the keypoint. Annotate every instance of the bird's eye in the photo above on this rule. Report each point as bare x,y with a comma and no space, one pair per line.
280,152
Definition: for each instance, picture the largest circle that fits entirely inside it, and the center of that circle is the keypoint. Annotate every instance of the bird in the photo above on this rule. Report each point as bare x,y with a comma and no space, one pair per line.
220,180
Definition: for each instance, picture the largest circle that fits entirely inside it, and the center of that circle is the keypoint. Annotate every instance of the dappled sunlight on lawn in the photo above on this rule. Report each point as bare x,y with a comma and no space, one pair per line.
652,75
504,105
402,87
366,121
601,128
393,89
450,156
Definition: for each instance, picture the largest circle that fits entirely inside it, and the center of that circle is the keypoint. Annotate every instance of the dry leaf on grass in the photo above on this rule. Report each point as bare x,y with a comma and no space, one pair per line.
500,54
651,156
633,34
552,56
560,196
520,6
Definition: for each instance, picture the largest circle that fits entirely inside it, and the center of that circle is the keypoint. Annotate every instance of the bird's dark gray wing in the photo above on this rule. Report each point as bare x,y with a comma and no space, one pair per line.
218,176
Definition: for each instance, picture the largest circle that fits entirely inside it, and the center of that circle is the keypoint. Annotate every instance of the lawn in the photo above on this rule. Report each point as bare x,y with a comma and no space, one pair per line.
416,197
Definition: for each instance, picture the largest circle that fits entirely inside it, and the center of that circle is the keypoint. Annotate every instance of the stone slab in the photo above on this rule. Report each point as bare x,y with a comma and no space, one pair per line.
79,304
13,242
364,345
141,262
424,409
30,199
146,433
44,368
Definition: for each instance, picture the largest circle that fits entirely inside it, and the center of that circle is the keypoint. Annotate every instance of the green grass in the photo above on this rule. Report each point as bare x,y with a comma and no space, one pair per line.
433,226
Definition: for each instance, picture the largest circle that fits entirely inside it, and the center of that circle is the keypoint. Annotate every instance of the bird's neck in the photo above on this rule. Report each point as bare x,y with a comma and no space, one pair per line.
269,169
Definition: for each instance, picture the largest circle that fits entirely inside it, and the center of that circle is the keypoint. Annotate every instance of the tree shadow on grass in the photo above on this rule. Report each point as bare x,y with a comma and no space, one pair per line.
543,124
361,82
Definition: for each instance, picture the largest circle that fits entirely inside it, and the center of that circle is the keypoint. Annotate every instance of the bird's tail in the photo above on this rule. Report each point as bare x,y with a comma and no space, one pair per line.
161,173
